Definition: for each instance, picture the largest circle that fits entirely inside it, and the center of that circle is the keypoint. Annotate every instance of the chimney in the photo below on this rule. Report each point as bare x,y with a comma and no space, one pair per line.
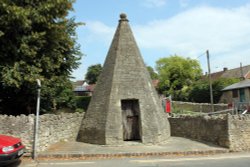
225,69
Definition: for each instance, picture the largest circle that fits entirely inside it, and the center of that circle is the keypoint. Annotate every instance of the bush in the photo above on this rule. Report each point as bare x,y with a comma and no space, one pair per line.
80,110
200,91
82,102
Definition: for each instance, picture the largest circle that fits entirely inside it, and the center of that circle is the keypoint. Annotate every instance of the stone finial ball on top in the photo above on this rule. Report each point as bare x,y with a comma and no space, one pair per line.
123,17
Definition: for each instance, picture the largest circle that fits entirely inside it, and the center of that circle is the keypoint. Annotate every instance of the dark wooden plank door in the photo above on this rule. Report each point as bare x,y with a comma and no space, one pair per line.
130,119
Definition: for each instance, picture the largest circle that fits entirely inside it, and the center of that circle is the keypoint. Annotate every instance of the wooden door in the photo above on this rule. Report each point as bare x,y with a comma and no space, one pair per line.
130,120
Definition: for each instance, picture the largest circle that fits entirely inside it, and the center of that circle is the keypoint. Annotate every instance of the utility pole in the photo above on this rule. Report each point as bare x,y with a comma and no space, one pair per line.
210,82
241,73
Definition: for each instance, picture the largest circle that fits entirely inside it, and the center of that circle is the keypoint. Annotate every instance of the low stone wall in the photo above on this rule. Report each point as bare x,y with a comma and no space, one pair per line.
52,128
239,132
197,107
228,131
204,128
20,126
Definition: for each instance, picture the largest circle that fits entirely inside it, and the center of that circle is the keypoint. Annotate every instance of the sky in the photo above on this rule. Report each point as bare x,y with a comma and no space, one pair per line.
167,27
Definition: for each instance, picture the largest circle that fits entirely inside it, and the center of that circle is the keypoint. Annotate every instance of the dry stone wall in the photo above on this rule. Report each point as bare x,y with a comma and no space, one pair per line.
204,128
52,128
239,132
197,107
20,126
230,131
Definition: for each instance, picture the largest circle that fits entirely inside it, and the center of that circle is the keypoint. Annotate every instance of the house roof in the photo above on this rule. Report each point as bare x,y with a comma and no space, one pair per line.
82,86
91,87
217,75
232,73
242,84
236,72
78,83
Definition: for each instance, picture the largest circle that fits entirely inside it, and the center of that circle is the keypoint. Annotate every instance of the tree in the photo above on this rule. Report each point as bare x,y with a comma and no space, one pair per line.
176,74
200,91
93,73
152,73
37,41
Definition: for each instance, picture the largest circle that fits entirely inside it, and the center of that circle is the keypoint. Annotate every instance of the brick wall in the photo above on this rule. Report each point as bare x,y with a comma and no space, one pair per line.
52,128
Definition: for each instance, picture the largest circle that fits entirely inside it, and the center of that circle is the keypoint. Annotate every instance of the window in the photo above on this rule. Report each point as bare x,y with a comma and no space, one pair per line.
235,93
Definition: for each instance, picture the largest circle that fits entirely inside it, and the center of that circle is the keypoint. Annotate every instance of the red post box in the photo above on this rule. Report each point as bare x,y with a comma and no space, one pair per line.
168,106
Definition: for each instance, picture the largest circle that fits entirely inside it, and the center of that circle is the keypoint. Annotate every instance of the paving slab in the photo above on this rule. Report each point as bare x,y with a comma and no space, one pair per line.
173,147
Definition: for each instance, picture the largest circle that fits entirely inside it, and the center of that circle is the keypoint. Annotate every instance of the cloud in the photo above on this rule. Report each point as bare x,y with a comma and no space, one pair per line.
98,31
225,32
183,3
198,28
154,3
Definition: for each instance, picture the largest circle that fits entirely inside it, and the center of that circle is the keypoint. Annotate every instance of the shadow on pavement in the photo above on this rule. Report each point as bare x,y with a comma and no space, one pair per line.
13,164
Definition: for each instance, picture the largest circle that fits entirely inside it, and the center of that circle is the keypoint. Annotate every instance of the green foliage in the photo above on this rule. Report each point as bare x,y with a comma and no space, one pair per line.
93,73
82,102
176,74
57,95
200,92
152,73
37,41
80,110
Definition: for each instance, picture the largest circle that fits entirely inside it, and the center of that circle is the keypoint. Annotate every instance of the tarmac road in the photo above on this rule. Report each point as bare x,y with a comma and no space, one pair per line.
221,160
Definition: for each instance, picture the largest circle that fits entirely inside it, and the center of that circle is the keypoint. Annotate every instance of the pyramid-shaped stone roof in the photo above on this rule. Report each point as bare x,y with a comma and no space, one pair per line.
124,105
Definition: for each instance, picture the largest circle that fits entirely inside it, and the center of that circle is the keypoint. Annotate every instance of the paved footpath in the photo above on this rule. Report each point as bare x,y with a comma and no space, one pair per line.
218,160
175,146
